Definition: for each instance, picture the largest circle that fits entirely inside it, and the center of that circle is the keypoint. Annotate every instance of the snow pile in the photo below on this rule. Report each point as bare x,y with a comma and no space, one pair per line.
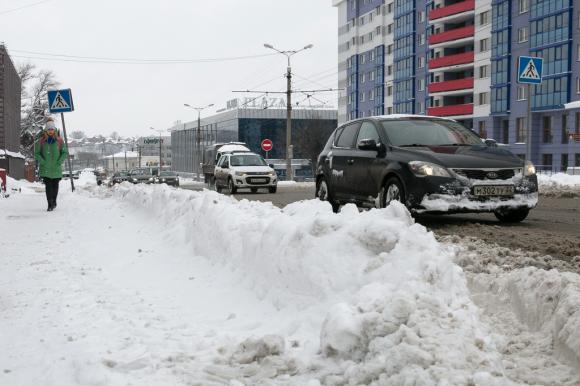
86,179
22,186
559,185
388,304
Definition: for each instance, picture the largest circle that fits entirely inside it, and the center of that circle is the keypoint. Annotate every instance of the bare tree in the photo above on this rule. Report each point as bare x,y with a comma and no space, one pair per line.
115,136
77,134
35,85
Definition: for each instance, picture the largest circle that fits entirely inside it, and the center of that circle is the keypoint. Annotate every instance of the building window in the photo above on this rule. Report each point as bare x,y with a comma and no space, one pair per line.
482,130
361,97
505,125
389,90
563,162
421,16
421,84
378,30
421,61
362,39
547,161
577,85
522,34
522,93
524,5
390,29
361,20
484,71
353,41
547,129
390,70
389,49
484,45
577,126
484,18
564,128
483,98
420,39
520,130
362,78
389,110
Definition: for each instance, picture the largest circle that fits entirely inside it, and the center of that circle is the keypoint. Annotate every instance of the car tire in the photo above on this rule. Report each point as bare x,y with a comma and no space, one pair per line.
231,187
272,189
392,191
218,188
323,194
512,215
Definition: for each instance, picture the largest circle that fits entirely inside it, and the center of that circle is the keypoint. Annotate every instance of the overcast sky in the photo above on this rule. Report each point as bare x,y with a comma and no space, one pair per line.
130,98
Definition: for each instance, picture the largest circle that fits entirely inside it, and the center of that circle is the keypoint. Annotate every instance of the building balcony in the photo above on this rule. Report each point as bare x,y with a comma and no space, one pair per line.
452,9
447,111
454,34
451,60
451,85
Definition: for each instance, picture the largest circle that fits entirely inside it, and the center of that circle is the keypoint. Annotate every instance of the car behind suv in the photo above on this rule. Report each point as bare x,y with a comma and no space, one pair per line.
429,164
244,170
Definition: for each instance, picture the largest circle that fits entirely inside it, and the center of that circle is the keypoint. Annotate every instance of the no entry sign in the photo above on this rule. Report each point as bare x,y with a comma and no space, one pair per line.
267,145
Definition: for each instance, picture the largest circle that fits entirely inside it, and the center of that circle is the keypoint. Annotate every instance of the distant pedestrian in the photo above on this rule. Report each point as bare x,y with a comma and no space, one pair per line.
50,152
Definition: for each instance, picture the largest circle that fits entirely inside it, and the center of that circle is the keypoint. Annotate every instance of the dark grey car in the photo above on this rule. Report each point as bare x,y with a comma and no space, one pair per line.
429,164
168,177
141,176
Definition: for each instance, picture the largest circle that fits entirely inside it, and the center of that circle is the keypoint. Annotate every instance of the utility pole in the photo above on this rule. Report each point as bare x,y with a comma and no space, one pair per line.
159,131
289,147
198,156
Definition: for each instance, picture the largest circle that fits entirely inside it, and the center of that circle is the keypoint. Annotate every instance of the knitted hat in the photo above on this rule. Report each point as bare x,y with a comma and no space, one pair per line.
50,125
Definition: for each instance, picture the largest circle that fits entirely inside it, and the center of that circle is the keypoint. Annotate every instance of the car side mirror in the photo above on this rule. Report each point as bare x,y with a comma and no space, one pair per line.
367,144
271,165
490,142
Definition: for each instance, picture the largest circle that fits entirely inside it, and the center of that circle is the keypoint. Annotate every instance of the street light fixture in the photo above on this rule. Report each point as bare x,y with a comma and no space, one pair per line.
198,139
159,131
289,155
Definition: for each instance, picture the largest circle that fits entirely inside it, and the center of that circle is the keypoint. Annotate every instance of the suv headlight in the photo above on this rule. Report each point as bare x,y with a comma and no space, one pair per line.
529,169
272,174
425,169
240,173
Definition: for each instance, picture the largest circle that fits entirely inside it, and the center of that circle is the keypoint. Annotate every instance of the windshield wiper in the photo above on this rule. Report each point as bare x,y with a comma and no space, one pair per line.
413,145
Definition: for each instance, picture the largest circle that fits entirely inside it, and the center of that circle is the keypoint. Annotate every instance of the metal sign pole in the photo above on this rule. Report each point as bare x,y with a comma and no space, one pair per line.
528,154
72,184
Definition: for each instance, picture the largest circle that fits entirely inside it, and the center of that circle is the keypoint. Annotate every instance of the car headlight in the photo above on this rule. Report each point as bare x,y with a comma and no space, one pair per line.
151,179
240,173
529,169
134,180
427,169
163,180
272,173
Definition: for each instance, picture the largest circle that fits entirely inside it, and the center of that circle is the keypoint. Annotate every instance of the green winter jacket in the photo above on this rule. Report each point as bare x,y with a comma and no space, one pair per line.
50,157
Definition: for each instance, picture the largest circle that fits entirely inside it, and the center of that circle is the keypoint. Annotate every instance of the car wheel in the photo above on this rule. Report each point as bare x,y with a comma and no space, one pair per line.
512,215
392,191
218,188
323,193
231,187
254,190
272,189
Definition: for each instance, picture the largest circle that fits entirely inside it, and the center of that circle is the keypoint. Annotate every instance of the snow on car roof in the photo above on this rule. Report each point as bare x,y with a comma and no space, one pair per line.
232,148
399,116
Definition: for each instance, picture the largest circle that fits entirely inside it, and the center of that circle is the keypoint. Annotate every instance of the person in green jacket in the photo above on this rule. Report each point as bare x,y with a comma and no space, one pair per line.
50,152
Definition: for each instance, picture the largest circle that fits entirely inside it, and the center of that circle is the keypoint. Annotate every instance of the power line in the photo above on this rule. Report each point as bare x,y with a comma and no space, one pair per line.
24,6
109,60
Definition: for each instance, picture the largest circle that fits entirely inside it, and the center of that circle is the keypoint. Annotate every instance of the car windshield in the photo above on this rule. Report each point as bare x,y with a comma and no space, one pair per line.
247,160
139,172
168,174
423,132
121,174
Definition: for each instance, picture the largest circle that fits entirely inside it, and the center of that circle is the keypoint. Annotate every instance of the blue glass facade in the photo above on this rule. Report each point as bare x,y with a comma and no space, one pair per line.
404,57
500,56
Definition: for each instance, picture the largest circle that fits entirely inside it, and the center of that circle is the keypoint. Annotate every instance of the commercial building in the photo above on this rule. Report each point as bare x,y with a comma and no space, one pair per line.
149,147
458,59
251,123
10,158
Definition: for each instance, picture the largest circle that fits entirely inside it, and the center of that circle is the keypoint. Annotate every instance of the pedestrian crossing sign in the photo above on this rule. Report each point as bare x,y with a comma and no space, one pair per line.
60,101
530,70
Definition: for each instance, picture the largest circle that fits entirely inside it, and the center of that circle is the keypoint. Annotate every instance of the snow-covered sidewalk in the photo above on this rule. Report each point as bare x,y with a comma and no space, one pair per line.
152,285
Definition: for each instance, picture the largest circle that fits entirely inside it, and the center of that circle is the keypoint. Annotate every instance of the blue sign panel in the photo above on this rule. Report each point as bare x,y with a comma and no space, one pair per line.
60,101
530,70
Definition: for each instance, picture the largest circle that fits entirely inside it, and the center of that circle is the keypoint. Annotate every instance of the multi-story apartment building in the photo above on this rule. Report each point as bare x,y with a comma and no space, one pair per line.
10,157
458,59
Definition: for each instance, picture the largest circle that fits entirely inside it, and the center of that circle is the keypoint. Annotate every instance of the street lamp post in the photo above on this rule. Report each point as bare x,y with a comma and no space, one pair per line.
198,153
159,131
289,148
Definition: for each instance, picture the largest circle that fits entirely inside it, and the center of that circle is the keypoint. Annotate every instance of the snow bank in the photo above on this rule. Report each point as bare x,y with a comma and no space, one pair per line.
22,186
543,300
388,304
559,185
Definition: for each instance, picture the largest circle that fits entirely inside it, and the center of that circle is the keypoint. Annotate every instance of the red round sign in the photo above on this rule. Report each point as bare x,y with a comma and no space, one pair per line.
267,145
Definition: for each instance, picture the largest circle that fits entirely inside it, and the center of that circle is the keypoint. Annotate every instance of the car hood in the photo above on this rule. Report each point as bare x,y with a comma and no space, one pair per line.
249,169
465,156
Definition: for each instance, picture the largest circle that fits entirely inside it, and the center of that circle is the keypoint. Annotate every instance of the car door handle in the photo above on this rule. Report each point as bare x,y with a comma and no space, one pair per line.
350,161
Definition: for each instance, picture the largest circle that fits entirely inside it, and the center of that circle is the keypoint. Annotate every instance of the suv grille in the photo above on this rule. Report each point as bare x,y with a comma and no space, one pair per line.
258,180
475,174
258,173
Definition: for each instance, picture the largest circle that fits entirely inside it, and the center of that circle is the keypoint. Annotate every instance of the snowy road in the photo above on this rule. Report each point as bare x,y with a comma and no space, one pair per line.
157,286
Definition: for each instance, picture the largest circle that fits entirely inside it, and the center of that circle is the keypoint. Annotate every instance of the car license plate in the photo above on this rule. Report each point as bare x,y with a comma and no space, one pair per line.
259,180
493,190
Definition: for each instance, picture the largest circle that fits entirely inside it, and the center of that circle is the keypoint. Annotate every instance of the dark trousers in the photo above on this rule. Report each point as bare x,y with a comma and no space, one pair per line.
51,185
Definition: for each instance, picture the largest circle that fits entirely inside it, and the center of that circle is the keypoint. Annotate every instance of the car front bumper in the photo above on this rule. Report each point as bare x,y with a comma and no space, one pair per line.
457,195
255,181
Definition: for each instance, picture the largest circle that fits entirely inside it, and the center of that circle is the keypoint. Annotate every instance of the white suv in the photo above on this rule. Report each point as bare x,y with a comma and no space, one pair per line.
244,170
